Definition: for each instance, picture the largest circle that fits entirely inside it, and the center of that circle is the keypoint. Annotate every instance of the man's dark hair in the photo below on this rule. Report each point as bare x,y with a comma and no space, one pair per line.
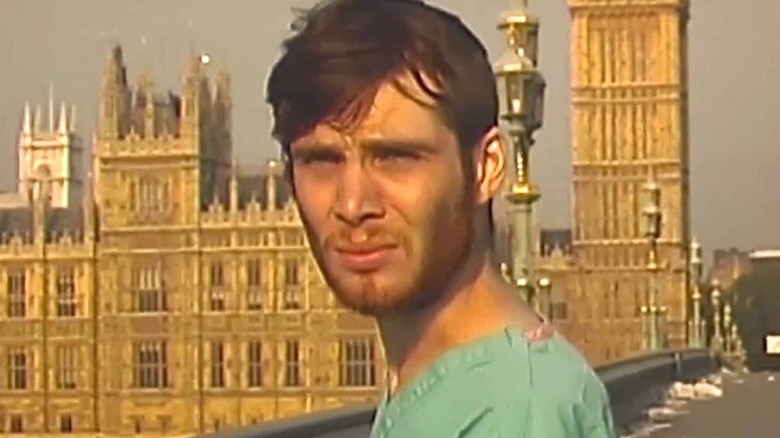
344,50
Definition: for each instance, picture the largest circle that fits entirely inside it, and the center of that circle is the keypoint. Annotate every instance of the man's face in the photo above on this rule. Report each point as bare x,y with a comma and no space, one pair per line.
387,207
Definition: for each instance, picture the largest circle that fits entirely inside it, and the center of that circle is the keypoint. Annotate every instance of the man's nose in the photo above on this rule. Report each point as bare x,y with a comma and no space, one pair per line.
358,199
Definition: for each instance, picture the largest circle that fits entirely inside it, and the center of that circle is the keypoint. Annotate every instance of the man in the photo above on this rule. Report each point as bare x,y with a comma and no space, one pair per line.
386,113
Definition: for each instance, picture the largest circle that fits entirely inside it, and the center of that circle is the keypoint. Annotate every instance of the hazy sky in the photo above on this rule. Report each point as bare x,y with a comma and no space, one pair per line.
735,96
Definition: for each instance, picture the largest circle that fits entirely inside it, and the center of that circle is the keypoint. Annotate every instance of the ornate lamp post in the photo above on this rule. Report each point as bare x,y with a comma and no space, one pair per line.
739,349
520,89
527,290
663,315
544,302
505,272
537,294
727,327
734,339
645,318
696,328
652,216
717,338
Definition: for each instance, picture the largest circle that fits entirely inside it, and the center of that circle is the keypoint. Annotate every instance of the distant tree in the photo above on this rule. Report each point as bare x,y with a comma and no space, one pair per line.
756,309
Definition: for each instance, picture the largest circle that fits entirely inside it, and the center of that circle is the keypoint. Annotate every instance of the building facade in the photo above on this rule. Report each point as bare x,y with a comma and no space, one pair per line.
728,266
179,296
629,127
556,263
765,258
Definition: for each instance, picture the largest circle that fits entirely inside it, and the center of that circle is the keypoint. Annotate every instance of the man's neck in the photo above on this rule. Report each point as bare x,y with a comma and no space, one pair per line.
478,303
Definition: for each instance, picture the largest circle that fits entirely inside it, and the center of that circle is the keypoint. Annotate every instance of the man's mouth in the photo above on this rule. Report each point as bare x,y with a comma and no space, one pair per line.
364,257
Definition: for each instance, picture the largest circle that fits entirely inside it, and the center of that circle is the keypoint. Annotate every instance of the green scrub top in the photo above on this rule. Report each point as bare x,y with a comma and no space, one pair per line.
508,385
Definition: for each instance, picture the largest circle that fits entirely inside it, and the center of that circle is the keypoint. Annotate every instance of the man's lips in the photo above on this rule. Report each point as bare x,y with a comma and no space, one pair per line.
364,258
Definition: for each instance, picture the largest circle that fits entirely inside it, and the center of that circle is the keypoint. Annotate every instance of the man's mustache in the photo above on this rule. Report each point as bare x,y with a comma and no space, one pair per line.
362,238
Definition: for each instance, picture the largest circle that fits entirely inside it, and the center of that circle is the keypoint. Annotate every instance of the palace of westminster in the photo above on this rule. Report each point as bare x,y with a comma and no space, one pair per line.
150,287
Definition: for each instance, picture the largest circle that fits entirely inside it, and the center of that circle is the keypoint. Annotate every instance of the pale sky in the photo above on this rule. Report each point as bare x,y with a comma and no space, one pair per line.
734,62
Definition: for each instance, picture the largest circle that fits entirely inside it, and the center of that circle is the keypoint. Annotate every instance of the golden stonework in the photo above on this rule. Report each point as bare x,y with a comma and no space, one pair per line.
629,122
179,296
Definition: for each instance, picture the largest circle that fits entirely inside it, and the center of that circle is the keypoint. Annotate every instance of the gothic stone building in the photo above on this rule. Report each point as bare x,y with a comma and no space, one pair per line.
179,295
629,80
629,115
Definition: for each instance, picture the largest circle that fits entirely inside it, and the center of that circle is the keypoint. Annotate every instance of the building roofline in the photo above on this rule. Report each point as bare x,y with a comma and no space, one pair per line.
765,254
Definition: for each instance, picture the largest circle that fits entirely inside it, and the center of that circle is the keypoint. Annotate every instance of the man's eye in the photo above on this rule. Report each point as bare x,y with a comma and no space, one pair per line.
395,155
320,159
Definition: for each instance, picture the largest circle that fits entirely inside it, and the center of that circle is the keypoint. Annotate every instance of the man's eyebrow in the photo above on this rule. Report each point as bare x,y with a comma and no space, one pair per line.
309,148
399,144
306,145
317,149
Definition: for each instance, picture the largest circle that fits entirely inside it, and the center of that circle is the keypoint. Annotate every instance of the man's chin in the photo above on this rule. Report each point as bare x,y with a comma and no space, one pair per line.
372,298
370,309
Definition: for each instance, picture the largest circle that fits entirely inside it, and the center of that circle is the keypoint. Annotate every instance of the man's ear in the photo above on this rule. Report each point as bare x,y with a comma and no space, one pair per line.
490,158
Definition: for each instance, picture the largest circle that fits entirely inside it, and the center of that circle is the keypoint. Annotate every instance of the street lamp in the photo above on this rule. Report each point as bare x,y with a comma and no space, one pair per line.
520,88
505,272
739,348
652,230
526,291
717,339
727,322
644,315
663,315
537,295
734,339
545,297
696,328
524,28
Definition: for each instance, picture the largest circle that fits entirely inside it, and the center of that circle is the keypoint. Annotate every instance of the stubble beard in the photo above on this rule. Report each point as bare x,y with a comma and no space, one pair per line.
420,282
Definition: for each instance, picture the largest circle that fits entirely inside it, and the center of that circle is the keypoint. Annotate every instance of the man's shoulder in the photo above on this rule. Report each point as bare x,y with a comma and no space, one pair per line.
562,379
548,387
566,391
534,387
552,392
548,369
556,363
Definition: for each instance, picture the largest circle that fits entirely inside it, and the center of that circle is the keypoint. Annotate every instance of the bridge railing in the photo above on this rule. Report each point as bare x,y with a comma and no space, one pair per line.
633,384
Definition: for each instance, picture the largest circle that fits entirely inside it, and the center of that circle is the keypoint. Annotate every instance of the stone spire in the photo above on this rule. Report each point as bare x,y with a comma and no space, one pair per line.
27,122
62,126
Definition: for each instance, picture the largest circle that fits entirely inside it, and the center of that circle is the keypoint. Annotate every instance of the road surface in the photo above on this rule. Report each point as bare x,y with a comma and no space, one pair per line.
750,408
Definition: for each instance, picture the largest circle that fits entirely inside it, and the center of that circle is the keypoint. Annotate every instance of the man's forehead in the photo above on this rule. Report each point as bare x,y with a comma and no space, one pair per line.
393,113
